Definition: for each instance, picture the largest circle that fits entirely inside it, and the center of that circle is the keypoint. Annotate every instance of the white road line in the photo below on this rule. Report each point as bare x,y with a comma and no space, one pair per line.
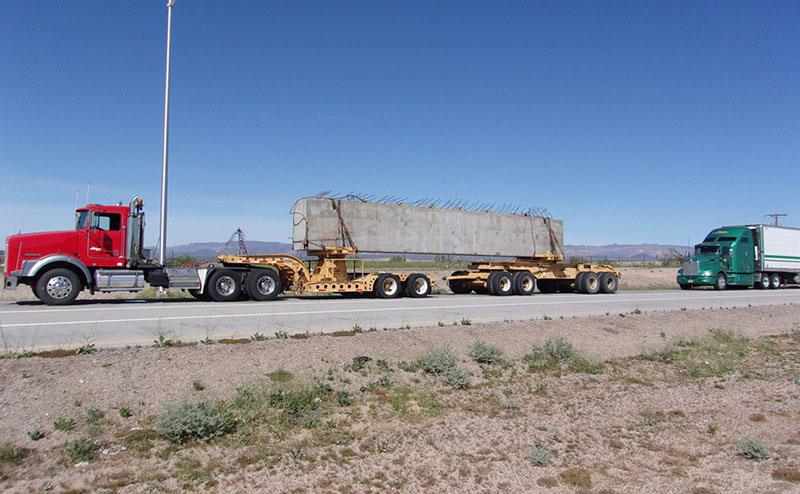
593,300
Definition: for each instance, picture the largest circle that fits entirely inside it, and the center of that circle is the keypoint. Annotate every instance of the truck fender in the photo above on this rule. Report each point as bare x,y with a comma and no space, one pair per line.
32,268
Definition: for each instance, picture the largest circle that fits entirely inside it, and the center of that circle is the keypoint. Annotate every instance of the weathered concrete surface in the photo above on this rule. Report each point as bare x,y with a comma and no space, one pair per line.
371,227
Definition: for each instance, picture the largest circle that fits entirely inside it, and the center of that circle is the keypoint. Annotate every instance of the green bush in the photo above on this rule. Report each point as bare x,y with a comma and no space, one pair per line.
438,360
753,450
11,453
457,377
62,424
193,422
485,354
80,450
558,349
540,457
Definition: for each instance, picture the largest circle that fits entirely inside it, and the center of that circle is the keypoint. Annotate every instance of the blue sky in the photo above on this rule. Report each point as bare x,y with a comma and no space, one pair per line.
633,122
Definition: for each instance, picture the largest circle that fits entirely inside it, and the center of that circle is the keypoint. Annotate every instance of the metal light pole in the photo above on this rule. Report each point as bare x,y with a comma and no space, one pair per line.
163,247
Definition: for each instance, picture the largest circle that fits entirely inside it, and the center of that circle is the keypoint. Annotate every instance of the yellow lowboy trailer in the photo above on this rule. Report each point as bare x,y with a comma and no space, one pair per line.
267,275
523,276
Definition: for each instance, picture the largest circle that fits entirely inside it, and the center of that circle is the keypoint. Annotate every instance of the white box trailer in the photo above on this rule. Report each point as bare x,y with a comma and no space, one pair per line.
778,248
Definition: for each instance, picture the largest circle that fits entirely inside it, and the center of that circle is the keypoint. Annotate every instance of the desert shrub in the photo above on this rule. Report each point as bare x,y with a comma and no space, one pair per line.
297,400
62,424
193,422
484,353
457,377
80,450
93,416
438,360
558,349
584,366
540,457
753,450
714,356
11,453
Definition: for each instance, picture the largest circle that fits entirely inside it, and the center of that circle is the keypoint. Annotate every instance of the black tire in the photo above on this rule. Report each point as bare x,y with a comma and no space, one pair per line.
224,285
459,287
547,286
579,282
58,286
764,283
721,282
263,284
591,283
775,280
524,283
685,286
387,286
500,283
609,283
418,285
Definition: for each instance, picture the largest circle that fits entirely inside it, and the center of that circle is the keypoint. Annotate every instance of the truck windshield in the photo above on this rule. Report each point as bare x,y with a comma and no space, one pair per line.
706,249
80,219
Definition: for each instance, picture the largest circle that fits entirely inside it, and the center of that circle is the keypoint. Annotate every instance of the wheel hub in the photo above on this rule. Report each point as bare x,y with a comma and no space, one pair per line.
59,287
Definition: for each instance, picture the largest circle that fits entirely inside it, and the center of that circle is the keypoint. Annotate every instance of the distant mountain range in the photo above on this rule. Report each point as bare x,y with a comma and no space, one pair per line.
613,252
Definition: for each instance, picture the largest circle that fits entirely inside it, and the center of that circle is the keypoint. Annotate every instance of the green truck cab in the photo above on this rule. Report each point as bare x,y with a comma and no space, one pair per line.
726,257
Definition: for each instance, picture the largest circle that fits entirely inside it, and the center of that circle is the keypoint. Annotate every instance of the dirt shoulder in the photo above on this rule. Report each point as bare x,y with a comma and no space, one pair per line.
671,421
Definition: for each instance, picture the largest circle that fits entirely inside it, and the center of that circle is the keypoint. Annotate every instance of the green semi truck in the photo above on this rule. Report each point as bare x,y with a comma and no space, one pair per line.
761,256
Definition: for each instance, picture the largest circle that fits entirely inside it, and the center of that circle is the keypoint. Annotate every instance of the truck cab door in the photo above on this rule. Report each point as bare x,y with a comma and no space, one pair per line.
745,254
105,237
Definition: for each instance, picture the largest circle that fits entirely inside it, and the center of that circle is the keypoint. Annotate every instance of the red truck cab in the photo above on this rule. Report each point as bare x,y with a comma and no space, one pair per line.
58,265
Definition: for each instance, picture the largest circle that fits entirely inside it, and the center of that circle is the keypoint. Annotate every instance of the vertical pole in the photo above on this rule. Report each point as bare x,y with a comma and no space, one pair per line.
163,234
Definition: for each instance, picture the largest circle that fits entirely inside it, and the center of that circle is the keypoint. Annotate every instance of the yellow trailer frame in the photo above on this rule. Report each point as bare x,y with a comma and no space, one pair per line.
521,276
333,272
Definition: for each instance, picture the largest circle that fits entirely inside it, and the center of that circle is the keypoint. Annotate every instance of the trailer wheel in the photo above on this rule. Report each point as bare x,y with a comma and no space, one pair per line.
387,286
524,283
579,282
721,282
591,283
418,285
458,287
608,282
58,286
499,283
775,280
764,282
547,286
224,285
263,284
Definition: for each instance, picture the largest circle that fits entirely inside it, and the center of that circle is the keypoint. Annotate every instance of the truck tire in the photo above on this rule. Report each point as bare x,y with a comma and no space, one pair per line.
775,280
524,283
579,282
721,282
263,284
418,285
224,285
387,286
499,283
459,287
591,283
608,283
764,282
58,286
547,286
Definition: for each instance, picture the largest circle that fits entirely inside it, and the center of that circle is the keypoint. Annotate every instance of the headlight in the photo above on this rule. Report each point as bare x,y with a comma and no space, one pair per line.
706,273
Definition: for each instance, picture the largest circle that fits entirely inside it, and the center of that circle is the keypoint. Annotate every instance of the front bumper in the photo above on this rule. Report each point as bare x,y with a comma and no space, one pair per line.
695,280
11,283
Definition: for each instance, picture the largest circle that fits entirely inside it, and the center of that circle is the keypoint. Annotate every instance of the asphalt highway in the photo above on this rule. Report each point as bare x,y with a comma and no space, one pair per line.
26,326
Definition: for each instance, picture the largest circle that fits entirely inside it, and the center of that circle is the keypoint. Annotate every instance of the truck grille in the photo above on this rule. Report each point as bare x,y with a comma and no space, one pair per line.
691,268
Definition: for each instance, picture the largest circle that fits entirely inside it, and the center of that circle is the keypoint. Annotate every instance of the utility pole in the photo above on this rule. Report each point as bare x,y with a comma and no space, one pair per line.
775,216
165,154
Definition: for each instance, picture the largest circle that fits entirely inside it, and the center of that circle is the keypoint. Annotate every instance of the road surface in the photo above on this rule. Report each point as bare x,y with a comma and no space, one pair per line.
33,326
